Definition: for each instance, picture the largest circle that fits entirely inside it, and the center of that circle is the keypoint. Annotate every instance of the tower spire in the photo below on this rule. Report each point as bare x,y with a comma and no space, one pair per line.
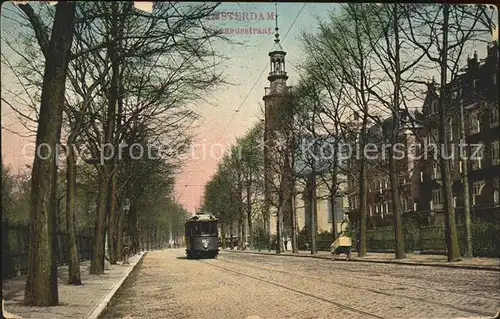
277,46
277,35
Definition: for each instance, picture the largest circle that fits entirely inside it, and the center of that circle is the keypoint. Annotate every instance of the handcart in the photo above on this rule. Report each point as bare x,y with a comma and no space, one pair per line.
341,245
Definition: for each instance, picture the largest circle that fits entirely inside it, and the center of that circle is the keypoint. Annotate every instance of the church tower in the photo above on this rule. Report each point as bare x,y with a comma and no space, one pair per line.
278,119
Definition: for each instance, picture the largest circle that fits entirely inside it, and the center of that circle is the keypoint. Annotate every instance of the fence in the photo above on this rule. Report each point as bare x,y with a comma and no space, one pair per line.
485,239
15,245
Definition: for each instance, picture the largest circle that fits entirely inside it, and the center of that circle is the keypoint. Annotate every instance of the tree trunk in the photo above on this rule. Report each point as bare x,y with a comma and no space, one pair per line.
332,200
333,192
249,211
131,225
74,265
267,180
465,181
41,283
97,262
279,227
451,231
396,207
121,234
240,209
295,242
393,169
231,244
112,220
314,211
223,236
148,239
362,208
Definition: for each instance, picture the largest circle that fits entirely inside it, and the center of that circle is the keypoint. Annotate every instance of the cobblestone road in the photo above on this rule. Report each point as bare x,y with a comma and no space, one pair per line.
240,286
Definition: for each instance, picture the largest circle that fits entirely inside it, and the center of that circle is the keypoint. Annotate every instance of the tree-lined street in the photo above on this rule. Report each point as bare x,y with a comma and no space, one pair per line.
238,285
362,146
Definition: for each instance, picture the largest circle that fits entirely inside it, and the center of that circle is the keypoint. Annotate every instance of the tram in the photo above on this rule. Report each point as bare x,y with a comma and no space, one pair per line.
202,238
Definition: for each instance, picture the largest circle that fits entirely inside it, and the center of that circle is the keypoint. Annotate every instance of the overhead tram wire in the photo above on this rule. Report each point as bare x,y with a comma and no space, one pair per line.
264,69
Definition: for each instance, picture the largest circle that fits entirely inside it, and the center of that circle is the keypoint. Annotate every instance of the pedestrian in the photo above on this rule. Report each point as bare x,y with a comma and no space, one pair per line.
286,244
307,246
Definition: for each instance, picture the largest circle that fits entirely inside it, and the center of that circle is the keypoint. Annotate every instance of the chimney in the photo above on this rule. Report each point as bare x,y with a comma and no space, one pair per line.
473,64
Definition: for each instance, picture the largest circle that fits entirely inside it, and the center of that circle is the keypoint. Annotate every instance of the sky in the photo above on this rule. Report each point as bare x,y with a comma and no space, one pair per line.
220,124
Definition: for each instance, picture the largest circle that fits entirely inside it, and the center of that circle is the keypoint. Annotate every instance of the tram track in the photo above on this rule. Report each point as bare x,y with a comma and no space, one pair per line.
304,293
379,273
324,279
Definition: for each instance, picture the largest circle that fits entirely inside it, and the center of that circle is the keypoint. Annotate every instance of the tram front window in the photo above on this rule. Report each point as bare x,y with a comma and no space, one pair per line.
205,229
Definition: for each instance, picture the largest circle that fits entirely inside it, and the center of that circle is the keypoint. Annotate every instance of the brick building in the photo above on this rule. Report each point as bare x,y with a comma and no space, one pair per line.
475,91
379,200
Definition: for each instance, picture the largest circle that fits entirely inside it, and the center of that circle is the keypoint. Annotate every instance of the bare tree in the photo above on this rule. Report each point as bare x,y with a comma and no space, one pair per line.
443,43
41,282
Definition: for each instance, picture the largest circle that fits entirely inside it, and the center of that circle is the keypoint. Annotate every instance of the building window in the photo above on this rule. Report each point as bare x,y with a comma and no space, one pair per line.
436,170
404,204
494,116
437,196
477,188
450,129
452,164
477,156
475,123
495,152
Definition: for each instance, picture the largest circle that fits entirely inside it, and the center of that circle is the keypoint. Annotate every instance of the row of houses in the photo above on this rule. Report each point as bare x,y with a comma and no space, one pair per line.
473,92
471,104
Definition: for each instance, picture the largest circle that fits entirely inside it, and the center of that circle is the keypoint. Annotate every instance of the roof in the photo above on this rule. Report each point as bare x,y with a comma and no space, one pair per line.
202,217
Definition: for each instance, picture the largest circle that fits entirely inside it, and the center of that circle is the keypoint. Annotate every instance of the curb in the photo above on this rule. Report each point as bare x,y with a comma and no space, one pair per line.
101,307
394,262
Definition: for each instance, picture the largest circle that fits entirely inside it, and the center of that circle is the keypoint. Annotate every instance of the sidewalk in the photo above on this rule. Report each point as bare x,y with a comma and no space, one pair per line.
479,263
85,301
